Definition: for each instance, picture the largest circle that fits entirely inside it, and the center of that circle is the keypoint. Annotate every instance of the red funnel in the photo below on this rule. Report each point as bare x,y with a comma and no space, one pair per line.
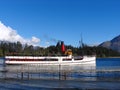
62,47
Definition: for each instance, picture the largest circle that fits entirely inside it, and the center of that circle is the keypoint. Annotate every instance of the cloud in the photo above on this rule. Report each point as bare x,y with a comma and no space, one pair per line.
11,35
35,40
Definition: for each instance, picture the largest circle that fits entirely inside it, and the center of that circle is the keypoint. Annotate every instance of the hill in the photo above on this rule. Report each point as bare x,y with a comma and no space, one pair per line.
113,44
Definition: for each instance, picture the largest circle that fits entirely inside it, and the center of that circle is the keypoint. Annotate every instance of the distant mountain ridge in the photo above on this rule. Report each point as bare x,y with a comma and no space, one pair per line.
113,44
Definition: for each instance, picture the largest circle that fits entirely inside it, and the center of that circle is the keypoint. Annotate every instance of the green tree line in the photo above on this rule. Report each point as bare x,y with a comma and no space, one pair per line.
8,48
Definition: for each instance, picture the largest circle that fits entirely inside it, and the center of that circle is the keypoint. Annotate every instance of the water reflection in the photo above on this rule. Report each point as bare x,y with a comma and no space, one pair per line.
64,72
49,68
60,72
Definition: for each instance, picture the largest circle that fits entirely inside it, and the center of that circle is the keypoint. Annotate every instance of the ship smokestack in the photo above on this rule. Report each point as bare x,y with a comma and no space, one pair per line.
62,47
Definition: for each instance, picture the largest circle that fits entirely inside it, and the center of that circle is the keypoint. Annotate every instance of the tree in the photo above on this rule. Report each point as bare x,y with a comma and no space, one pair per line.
19,47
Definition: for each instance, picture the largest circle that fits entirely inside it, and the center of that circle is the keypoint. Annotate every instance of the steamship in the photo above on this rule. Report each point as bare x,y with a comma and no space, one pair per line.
66,59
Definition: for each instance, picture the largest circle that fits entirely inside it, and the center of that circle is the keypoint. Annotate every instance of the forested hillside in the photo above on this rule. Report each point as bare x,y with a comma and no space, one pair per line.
7,48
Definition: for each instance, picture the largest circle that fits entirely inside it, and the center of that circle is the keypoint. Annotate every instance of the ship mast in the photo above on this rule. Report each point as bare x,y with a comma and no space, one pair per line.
81,45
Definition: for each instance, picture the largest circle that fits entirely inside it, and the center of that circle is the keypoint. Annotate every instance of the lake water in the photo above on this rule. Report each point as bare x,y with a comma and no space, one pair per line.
104,76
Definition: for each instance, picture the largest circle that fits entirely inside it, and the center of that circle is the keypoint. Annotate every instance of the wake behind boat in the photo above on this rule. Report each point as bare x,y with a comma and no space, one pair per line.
66,59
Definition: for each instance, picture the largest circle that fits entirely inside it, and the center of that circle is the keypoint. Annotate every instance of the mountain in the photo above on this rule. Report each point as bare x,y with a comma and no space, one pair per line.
113,44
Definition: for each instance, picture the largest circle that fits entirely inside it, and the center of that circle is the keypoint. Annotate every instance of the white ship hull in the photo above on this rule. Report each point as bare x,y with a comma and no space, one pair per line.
61,60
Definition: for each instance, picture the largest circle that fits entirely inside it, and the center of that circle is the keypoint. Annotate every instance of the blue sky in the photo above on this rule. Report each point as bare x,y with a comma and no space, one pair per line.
52,20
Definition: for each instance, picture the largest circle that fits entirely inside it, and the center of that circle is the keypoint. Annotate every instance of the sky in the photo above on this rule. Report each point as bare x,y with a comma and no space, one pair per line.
44,22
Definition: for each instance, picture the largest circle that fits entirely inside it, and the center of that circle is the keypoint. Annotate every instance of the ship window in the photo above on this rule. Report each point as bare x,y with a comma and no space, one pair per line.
78,58
67,59
47,59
